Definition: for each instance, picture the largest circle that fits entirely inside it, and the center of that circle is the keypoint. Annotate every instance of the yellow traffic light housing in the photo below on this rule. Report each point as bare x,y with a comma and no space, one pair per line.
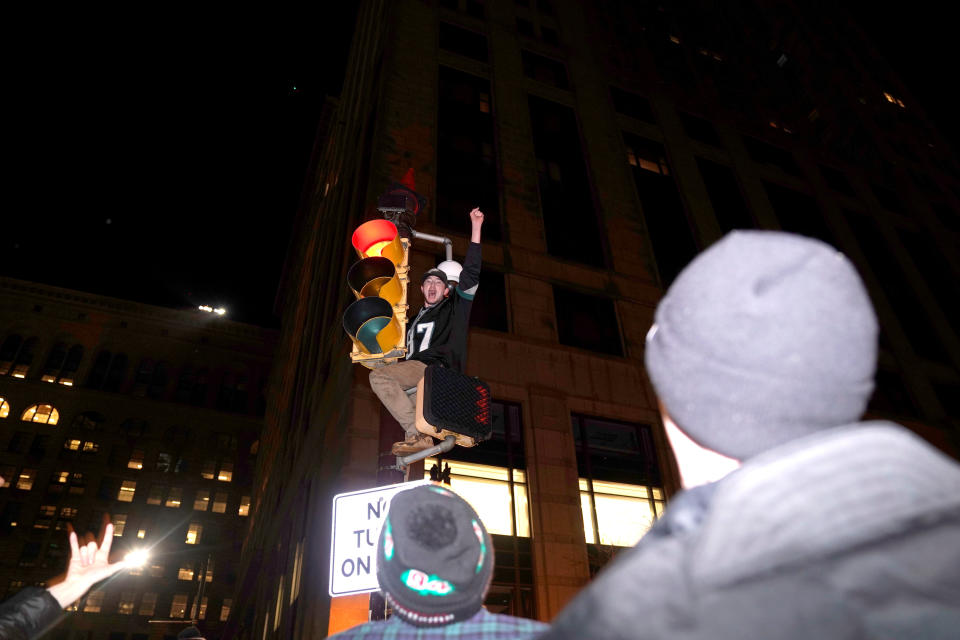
377,321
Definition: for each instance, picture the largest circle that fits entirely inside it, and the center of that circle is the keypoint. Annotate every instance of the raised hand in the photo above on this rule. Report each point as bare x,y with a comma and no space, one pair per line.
89,564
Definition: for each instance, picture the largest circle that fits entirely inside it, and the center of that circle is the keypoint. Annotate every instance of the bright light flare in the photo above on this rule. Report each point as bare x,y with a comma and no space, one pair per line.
137,558
220,311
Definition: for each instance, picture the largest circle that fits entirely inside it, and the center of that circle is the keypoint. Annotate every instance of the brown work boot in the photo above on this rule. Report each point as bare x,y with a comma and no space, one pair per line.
414,442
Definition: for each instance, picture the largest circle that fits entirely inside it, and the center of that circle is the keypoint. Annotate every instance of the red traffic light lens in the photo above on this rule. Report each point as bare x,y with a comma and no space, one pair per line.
371,237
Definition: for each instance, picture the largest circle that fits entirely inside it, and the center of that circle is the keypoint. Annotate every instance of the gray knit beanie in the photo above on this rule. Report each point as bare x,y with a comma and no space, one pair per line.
765,337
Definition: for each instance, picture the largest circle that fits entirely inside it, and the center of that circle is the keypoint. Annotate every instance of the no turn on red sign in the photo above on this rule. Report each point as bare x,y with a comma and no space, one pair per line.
357,519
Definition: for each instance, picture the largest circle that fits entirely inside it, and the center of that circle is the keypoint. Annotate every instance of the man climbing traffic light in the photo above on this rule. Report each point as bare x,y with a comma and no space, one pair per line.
437,335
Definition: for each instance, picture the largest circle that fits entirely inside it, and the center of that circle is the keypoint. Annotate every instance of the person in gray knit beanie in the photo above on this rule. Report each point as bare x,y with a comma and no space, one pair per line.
763,338
796,521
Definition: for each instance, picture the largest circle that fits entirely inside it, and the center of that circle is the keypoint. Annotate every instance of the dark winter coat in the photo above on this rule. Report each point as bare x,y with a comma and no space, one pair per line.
28,613
438,334
849,533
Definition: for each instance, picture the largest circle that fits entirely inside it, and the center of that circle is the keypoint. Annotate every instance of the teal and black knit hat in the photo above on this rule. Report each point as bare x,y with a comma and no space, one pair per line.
434,557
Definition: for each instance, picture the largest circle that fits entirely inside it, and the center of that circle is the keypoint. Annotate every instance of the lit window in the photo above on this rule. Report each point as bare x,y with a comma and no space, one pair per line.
220,502
94,602
225,609
178,608
893,99
208,575
125,604
487,489
4,408
72,445
193,533
202,500
173,498
244,509
119,522
136,460
674,39
127,490
148,603
62,477
624,512
156,570
156,494
44,413
141,533
186,572
26,478
203,609
90,447
69,513
209,469
48,510
7,474
226,472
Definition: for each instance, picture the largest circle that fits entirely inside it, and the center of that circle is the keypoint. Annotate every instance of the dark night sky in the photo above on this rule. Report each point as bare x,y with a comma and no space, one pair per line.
160,157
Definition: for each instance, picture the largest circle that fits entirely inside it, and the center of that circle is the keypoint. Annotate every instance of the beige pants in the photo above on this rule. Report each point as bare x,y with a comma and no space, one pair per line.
390,384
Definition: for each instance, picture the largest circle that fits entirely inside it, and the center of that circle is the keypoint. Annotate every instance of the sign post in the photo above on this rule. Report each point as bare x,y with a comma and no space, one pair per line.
357,519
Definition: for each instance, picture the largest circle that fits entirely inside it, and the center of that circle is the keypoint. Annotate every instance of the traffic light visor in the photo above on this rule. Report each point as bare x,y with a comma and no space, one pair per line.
371,325
378,238
375,277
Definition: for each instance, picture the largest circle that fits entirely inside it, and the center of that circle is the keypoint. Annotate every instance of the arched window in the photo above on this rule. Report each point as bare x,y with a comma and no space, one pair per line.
62,365
158,381
8,352
143,378
16,356
4,408
44,413
108,371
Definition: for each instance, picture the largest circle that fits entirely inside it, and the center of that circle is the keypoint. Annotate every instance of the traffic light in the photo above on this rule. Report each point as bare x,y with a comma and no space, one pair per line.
453,404
377,320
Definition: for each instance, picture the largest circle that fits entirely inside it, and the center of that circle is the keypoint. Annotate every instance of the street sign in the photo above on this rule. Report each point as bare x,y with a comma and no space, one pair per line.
357,519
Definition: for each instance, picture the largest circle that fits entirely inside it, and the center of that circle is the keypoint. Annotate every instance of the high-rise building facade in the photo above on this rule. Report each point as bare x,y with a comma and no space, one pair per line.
607,143
147,415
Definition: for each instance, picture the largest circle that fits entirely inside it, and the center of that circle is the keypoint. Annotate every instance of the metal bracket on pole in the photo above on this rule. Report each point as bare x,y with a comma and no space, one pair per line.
429,237
443,447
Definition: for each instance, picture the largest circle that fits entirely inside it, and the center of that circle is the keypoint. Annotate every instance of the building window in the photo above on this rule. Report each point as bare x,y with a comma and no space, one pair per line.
545,70
43,413
108,372
7,474
126,603
244,509
156,570
226,472
463,42
500,503
186,572
220,502
570,220
16,356
672,236
729,207
94,601
4,408
72,445
620,490
127,490
136,460
88,420
202,500
156,494
700,129
225,609
178,607
489,310
202,614
587,322
26,479
61,365
209,469
632,105
119,524
148,603
164,462
173,497
798,213
141,533
764,153
193,533
467,174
